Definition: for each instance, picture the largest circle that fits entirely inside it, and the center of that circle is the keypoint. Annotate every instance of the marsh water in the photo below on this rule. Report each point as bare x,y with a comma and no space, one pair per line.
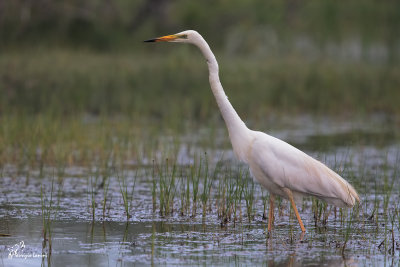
77,215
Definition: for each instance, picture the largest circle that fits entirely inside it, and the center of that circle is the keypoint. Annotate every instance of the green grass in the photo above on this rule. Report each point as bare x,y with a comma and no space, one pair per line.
64,107
167,177
248,191
49,210
207,185
147,86
127,190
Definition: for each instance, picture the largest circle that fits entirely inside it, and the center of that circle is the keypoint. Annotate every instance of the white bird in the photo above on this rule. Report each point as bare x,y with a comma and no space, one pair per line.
279,167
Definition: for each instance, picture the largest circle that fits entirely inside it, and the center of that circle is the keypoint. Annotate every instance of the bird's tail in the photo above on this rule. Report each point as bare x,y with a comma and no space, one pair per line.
352,196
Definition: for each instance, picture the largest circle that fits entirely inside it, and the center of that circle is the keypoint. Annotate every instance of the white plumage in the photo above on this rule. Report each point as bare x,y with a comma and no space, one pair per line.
279,167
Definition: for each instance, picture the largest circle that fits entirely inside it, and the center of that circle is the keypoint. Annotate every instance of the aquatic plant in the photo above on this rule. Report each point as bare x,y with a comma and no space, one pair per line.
49,209
249,196
126,189
167,187
207,185
195,175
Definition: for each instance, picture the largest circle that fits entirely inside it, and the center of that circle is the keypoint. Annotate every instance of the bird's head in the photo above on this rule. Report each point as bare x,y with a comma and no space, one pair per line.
189,36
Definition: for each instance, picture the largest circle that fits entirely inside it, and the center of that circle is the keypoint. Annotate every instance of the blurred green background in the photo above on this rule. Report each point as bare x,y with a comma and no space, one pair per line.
67,58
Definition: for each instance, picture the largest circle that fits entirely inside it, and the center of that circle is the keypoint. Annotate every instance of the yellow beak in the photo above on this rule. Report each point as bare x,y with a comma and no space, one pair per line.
166,38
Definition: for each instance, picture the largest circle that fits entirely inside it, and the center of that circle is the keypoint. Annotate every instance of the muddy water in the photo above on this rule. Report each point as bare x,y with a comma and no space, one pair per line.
367,156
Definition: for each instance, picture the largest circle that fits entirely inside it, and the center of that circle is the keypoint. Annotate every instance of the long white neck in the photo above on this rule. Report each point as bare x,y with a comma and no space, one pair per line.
239,134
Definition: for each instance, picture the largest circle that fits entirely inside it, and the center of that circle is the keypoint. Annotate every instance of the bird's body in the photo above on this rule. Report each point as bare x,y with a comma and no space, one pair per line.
288,167
279,167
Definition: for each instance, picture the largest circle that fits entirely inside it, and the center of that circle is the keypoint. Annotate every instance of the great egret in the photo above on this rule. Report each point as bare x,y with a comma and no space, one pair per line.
279,167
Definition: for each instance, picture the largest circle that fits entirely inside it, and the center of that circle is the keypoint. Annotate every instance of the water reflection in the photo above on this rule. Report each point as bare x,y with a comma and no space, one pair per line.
113,243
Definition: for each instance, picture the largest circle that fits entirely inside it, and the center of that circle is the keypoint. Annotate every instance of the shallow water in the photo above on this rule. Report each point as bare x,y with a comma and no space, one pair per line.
366,155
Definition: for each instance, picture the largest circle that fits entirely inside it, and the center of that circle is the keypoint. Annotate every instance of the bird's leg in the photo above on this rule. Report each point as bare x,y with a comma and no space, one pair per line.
290,195
301,236
271,212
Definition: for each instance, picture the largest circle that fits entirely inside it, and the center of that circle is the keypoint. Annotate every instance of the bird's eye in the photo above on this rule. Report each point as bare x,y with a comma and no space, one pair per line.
183,36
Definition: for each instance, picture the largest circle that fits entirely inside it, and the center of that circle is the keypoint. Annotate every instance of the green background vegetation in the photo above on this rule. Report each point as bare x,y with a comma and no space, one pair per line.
87,57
